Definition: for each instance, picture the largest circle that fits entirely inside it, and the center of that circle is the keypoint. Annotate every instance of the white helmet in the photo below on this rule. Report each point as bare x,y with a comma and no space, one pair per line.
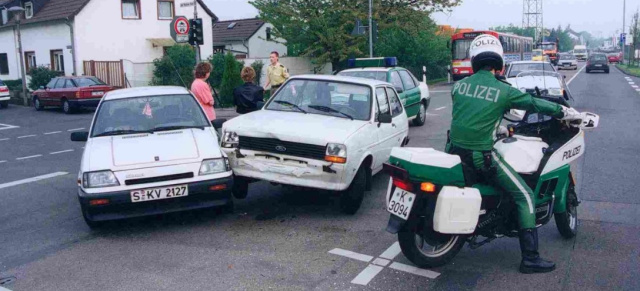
486,51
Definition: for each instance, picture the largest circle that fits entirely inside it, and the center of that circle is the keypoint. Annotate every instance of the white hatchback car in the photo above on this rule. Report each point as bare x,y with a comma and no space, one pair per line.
150,150
323,132
4,95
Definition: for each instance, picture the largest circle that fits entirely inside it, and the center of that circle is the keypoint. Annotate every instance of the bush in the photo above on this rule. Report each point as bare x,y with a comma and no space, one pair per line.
217,62
14,85
257,66
41,76
175,68
230,79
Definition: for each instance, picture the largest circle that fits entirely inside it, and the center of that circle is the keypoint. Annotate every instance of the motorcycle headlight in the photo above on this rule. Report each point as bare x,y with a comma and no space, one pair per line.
336,153
99,179
230,139
214,166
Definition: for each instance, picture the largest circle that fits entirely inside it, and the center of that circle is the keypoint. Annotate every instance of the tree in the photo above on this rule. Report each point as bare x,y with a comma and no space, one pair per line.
230,79
217,63
517,30
175,68
257,66
634,33
321,29
41,76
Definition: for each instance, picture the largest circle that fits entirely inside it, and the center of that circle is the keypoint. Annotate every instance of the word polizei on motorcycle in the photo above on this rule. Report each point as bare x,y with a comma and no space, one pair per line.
571,153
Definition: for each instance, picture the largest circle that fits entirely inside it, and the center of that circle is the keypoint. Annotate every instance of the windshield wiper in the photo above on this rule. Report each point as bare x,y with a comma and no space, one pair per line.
121,132
176,127
329,109
290,104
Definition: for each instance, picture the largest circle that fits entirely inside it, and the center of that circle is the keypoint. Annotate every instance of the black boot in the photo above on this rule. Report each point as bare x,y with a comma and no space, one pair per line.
531,261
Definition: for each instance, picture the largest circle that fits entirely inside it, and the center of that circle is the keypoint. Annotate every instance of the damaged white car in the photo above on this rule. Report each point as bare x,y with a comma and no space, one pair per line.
324,132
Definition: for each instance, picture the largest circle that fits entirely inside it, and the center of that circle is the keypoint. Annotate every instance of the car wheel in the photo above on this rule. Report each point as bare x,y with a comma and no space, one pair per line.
36,104
4,104
422,115
66,107
351,199
606,71
240,188
587,71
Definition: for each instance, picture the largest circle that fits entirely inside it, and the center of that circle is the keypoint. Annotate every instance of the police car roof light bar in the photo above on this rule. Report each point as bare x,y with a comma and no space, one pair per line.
372,62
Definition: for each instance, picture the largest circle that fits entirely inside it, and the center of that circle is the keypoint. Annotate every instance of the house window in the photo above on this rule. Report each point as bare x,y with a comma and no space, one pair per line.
165,9
218,49
268,33
57,60
4,65
28,7
131,9
29,61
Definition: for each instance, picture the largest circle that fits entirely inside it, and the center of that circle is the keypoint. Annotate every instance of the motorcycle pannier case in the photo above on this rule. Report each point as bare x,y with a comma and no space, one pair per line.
457,210
429,165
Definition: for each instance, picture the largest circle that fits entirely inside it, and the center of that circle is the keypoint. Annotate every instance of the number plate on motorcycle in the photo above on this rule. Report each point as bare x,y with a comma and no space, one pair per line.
401,203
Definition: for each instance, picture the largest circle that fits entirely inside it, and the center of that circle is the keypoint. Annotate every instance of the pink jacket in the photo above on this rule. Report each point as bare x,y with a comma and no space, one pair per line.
202,91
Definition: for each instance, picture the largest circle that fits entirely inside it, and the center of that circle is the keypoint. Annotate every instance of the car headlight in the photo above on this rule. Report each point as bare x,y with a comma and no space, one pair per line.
230,139
336,153
555,92
214,166
99,179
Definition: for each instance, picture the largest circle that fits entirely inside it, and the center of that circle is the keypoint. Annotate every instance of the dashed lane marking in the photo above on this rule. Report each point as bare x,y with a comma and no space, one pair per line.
29,157
440,108
53,132
76,129
3,139
31,180
414,270
61,152
393,251
2,162
26,136
634,86
7,126
576,75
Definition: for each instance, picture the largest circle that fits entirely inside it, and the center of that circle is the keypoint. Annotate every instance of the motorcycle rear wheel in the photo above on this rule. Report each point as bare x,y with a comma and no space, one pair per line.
429,252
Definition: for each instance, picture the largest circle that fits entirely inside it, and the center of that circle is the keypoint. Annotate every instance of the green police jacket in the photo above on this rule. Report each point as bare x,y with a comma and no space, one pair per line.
480,101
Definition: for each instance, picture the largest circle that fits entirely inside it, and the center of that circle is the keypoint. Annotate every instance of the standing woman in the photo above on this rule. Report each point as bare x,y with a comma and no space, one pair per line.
200,88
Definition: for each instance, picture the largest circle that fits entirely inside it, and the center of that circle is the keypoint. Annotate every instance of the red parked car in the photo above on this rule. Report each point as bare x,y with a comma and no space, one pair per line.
70,93
614,57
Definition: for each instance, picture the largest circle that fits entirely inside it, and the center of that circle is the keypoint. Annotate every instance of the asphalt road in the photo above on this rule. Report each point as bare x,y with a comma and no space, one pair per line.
281,239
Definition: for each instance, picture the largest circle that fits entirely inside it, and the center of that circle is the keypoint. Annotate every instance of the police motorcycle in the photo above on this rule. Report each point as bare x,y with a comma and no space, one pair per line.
437,203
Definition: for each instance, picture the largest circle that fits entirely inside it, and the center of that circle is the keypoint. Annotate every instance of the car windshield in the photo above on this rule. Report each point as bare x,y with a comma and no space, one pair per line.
567,57
598,58
579,51
519,68
548,46
88,82
148,114
321,97
461,49
373,75
1,84
537,53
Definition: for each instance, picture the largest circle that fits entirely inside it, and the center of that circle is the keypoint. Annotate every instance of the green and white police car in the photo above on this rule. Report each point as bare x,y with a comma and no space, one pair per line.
413,94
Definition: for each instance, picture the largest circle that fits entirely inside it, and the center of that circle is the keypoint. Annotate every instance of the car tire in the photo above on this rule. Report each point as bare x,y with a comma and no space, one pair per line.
421,118
66,107
240,188
587,71
36,104
351,199
606,71
4,104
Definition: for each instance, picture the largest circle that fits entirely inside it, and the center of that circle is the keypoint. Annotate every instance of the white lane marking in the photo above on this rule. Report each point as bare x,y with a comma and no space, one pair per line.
4,289
53,132
391,253
351,255
60,152
29,157
574,76
634,86
632,83
76,129
440,108
367,275
7,126
26,136
381,262
2,162
413,270
31,180
1,139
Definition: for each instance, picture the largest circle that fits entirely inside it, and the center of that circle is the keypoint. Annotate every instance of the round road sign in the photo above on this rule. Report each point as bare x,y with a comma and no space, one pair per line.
181,26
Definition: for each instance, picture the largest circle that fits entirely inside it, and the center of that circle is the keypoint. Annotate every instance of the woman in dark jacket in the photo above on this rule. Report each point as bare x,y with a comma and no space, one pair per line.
249,96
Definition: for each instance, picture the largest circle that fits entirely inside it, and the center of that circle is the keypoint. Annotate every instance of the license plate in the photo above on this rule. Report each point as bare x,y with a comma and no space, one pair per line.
97,93
401,203
159,193
598,65
566,65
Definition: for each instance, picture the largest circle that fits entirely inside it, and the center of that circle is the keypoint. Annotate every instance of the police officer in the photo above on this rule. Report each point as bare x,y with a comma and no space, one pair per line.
479,102
276,73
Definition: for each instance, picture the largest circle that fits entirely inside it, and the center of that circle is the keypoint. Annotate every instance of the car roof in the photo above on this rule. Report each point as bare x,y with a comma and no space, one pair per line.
145,91
354,80
371,69
529,62
75,77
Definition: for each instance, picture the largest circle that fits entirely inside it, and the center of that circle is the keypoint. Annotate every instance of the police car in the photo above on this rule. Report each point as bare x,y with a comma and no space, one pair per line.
413,94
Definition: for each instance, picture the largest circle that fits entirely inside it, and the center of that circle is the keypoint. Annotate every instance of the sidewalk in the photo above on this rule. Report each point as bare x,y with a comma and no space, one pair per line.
226,113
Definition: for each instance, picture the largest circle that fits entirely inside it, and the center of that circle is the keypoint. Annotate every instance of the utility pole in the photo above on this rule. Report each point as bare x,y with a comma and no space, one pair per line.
370,29
17,10
196,47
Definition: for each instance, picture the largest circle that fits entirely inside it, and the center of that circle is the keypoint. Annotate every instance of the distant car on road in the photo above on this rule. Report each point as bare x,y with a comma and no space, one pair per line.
597,62
567,61
150,150
516,68
4,95
70,93
581,52
413,94
538,55
614,57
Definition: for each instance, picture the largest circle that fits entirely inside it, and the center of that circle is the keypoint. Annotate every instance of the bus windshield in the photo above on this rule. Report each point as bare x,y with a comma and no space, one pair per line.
461,49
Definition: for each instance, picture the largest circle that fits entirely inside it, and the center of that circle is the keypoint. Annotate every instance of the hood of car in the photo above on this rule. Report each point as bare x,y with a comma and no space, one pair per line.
295,127
158,149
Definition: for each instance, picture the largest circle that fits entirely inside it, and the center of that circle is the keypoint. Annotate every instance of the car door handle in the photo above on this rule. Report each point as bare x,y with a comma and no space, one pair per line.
393,124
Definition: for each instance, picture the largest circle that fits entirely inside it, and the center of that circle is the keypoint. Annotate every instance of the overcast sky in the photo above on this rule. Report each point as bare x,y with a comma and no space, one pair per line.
602,17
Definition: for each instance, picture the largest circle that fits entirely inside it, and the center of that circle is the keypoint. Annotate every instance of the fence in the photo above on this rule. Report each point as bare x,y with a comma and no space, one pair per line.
111,72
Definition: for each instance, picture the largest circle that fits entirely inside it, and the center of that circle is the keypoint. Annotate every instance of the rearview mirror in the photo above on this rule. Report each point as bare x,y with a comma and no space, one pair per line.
217,123
515,115
384,118
80,136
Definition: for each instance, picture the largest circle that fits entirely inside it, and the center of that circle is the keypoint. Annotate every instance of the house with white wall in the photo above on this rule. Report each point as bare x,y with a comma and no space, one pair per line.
119,36
246,38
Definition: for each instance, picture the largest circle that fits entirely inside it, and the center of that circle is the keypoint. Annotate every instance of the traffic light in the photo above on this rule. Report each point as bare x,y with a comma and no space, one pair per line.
195,33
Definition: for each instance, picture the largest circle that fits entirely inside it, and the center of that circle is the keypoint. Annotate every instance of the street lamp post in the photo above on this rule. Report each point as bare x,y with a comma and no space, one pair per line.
17,11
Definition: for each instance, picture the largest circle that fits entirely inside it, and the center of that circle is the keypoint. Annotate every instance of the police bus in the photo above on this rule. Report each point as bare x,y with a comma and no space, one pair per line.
516,48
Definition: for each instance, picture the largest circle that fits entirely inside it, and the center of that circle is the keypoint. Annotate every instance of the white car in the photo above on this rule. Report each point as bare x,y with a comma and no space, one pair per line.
150,150
324,132
567,61
4,95
515,68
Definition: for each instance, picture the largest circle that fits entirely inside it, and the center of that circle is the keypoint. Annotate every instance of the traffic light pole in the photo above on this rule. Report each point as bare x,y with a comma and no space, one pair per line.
196,47
370,29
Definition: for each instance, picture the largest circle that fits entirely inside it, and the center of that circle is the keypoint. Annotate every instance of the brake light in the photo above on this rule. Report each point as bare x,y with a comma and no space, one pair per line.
402,184
4,89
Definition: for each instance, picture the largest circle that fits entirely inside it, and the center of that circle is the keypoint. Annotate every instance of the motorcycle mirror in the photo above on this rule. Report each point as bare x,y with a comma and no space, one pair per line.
515,115
538,91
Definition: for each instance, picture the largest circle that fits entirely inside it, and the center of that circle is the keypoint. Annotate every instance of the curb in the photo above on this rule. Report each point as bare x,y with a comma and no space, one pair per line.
626,73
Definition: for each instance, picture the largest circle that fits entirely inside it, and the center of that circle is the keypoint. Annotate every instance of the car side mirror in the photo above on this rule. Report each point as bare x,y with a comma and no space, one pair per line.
80,136
217,123
385,118
399,90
